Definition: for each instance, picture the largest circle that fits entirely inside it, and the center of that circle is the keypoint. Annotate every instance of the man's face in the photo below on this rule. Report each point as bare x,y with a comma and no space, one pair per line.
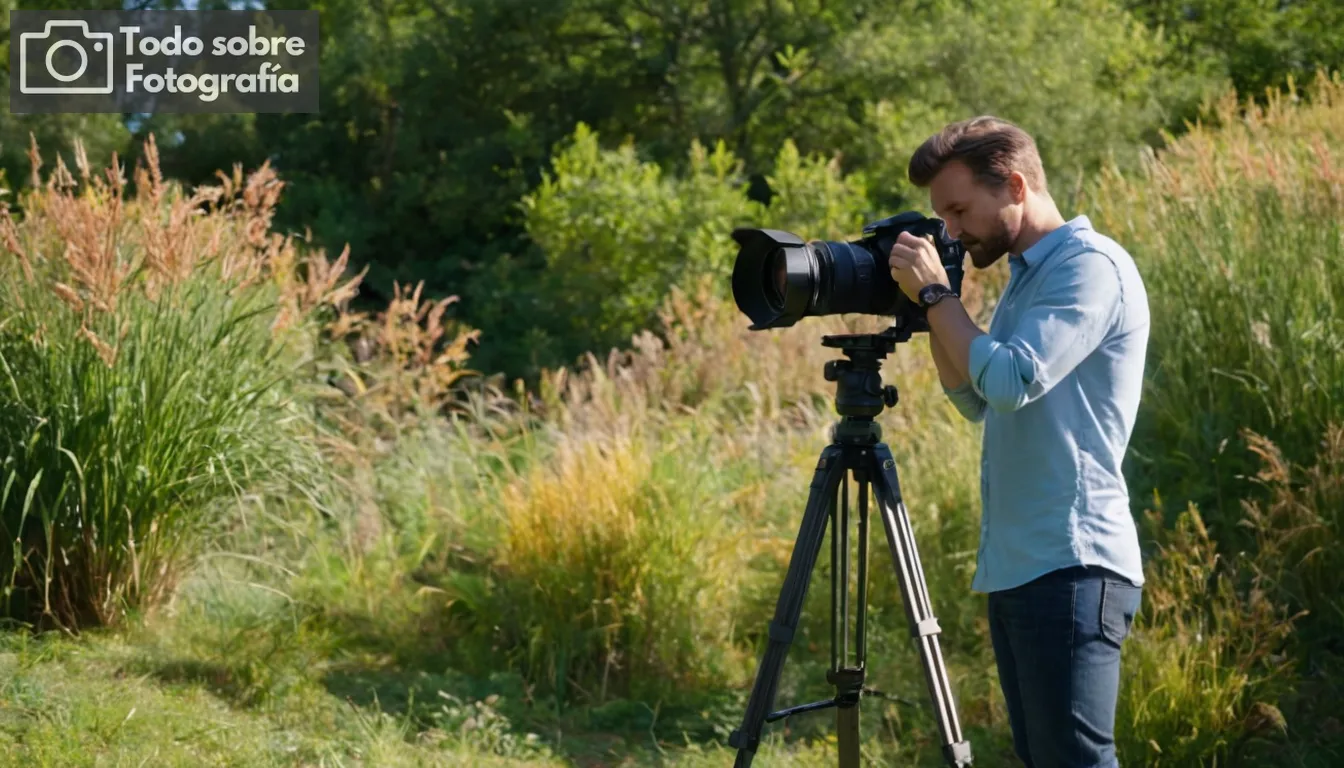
986,220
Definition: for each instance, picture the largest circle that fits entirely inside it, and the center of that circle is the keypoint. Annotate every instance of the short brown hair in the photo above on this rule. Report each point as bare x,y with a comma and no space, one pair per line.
990,146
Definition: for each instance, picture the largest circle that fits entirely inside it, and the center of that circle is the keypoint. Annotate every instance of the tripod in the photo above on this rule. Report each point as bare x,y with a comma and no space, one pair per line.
856,448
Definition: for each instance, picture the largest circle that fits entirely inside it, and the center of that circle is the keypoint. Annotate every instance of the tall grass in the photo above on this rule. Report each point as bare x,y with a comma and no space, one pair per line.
617,572
1299,530
1239,230
144,379
1207,652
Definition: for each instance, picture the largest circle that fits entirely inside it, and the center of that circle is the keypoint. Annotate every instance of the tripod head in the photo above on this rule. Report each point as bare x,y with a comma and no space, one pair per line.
860,395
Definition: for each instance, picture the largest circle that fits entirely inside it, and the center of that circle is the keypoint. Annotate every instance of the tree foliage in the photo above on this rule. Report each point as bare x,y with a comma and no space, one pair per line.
1257,44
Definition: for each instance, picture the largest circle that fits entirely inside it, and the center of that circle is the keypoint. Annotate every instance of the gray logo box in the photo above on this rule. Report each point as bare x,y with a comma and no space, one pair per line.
163,61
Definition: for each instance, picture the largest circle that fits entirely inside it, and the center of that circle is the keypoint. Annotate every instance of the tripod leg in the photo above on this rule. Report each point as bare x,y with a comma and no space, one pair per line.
847,735
918,609
825,481
849,683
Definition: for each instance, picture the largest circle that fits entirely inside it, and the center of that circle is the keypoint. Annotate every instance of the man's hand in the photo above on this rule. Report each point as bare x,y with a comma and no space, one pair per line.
914,264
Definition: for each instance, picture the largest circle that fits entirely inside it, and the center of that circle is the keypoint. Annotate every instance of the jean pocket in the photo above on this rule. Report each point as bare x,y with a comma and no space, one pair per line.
1119,605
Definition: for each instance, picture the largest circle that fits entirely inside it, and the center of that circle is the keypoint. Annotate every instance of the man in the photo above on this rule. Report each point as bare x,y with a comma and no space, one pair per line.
1056,381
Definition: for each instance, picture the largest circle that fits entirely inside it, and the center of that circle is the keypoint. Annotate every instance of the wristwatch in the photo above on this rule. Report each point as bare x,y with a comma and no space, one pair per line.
933,293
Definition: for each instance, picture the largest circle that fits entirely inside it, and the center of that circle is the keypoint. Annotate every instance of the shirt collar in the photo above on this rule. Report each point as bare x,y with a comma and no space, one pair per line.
1052,240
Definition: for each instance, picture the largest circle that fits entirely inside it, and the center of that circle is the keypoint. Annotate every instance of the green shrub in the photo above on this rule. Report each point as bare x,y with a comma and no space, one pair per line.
618,234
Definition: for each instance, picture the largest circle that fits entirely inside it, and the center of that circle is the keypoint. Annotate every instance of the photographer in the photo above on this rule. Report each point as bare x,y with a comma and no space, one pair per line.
1056,381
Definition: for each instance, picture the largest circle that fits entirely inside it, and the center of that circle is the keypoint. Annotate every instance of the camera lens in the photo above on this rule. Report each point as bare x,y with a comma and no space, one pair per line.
779,278
776,277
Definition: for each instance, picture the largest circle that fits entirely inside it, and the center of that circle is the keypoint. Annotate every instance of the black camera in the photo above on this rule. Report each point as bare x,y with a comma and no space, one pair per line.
779,279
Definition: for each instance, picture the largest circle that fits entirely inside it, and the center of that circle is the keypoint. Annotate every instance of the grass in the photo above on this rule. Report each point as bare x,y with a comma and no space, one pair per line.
584,573
136,699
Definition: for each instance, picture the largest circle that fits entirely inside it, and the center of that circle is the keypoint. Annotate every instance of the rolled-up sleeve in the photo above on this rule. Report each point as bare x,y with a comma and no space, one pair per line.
1070,315
968,403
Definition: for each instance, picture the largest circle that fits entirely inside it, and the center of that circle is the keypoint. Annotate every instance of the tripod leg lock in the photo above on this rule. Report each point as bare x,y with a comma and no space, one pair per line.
958,754
925,628
738,740
781,633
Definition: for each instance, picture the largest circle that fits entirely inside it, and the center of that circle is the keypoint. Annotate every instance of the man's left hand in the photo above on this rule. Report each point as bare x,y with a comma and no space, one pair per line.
914,264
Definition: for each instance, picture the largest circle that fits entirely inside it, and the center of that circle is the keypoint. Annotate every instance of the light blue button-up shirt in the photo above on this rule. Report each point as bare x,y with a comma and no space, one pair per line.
1056,381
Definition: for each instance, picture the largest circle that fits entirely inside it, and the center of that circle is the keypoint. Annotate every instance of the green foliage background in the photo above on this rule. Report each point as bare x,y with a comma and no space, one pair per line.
442,118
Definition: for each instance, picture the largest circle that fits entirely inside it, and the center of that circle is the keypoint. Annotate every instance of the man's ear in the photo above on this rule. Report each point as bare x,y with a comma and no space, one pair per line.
1017,186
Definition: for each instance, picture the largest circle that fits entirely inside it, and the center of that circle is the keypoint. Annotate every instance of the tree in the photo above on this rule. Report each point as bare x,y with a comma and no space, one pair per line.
1258,44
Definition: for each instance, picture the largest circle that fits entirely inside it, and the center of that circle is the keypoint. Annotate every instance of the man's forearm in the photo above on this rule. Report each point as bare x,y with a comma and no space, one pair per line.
954,331
947,372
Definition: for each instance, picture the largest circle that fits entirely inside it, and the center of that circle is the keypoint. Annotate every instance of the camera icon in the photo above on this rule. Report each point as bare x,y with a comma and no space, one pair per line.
64,48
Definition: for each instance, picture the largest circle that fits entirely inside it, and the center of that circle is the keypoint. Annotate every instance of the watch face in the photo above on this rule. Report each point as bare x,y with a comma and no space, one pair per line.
932,293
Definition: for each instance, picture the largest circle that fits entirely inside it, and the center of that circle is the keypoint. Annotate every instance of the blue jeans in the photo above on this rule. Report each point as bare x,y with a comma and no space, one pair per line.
1057,645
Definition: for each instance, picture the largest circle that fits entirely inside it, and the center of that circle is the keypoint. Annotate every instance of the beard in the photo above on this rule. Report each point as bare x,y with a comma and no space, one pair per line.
984,251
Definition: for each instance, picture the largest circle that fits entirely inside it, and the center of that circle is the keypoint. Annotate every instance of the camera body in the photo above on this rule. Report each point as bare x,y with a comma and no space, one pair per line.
880,236
778,278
